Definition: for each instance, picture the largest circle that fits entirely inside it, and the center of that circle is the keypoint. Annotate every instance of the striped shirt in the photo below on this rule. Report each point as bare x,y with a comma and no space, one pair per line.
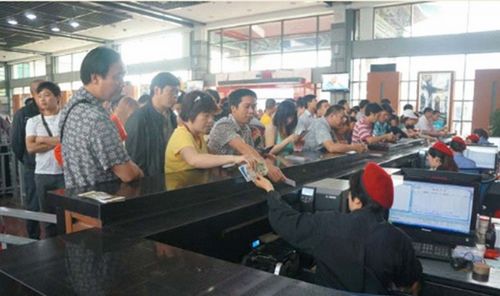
362,130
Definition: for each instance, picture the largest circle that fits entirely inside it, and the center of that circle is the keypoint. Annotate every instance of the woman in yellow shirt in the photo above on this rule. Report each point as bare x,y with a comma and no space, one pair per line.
187,148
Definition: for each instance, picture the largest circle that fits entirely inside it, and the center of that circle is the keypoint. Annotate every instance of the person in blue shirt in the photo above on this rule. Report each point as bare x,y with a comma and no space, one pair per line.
458,146
382,127
483,136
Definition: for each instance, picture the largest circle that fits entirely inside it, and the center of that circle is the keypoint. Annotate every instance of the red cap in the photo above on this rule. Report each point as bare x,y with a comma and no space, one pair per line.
378,185
473,137
441,147
458,140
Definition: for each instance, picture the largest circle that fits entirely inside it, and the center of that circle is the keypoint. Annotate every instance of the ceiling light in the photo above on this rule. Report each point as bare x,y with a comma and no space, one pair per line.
30,15
74,24
55,29
12,21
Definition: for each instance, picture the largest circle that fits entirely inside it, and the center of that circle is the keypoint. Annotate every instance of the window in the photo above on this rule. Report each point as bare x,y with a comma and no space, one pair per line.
63,64
269,45
435,18
165,47
28,69
392,21
2,73
3,92
39,68
76,63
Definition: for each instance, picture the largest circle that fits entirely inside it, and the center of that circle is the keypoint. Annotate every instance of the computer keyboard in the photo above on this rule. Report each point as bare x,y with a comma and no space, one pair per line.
432,251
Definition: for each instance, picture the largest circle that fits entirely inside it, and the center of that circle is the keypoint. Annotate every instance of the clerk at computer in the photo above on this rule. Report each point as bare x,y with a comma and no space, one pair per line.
358,251
458,147
440,158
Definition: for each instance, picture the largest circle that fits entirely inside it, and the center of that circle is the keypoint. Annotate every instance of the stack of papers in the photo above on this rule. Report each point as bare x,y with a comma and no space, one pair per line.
102,197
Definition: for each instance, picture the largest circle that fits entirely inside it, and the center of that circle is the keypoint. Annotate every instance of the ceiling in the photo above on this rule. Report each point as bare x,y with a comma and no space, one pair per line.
100,22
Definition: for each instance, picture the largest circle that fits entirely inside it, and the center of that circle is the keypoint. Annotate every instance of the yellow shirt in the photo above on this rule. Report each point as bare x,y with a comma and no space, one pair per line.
180,139
266,119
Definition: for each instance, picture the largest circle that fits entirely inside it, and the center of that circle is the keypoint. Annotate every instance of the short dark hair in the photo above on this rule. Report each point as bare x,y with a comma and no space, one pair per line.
301,103
98,61
270,103
372,108
334,109
161,80
54,88
363,103
307,99
357,191
342,102
355,109
318,105
196,102
387,108
427,109
236,96
436,112
481,132
385,101
214,94
408,107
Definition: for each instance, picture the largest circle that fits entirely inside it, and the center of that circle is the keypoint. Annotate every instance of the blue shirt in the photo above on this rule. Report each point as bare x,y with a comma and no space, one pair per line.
483,141
380,129
464,162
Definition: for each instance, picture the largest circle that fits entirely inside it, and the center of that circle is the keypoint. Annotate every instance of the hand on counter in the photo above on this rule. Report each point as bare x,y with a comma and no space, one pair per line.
263,183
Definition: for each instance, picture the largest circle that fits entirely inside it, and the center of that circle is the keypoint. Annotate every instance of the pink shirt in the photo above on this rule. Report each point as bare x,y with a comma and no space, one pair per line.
362,130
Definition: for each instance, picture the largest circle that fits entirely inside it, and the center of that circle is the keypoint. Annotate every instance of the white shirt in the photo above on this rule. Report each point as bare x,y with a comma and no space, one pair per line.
304,122
45,161
424,125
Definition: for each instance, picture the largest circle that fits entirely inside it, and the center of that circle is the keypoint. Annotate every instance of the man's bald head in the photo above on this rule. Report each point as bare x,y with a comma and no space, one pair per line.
34,85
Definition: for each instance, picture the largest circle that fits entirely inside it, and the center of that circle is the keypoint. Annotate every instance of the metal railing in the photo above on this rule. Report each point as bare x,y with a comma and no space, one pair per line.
8,172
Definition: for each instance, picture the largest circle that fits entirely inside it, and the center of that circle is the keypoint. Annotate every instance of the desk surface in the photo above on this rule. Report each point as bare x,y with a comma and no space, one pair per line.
92,262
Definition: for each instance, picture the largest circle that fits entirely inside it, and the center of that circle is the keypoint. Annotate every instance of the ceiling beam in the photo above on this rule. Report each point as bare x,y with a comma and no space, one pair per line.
41,32
21,50
148,11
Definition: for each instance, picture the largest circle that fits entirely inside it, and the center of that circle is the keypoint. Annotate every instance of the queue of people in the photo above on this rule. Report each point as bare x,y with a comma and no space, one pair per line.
103,136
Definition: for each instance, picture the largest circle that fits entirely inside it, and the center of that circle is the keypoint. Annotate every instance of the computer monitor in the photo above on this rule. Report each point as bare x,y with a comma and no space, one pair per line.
442,212
335,82
485,157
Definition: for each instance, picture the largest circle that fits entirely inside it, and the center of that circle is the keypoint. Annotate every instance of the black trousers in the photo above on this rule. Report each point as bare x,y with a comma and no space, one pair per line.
46,183
31,202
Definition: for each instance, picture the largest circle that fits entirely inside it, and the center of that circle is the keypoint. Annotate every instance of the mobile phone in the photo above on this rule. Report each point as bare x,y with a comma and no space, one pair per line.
267,150
303,133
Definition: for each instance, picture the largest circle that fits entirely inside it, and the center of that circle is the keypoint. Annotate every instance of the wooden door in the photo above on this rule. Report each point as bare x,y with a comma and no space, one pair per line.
384,85
486,97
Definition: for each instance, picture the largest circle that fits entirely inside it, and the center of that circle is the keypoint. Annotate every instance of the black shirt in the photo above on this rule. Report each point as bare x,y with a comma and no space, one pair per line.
357,252
148,133
18,133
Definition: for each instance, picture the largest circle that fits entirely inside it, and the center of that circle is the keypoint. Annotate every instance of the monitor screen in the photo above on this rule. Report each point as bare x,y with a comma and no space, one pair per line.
433,206
484,157
335,82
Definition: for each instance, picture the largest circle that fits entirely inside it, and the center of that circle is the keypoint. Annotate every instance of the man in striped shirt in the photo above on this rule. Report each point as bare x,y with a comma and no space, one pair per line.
363,130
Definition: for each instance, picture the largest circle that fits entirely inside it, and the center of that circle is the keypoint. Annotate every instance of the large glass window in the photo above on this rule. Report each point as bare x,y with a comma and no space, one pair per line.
435,18
2,73
439,18
28,69
63,64
165,47
270,45
392,21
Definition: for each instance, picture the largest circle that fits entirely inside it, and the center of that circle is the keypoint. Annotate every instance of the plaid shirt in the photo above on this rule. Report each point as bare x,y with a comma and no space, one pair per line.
362,130
91,145
224,130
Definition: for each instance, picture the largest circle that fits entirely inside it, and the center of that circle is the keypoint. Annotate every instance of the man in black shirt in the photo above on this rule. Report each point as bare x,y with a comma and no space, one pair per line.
149,128
18,143
359,251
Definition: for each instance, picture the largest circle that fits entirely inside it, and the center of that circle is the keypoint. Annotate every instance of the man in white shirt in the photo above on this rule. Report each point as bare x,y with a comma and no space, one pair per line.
306,118
425,125
42,135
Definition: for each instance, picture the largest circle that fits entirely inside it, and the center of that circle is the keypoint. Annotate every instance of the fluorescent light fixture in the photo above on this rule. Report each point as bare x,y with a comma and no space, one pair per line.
74,24
55,29
30,15
12,21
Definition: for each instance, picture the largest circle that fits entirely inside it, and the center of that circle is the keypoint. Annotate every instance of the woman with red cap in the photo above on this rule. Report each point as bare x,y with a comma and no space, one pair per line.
440,158
357,251
458,147
472,139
